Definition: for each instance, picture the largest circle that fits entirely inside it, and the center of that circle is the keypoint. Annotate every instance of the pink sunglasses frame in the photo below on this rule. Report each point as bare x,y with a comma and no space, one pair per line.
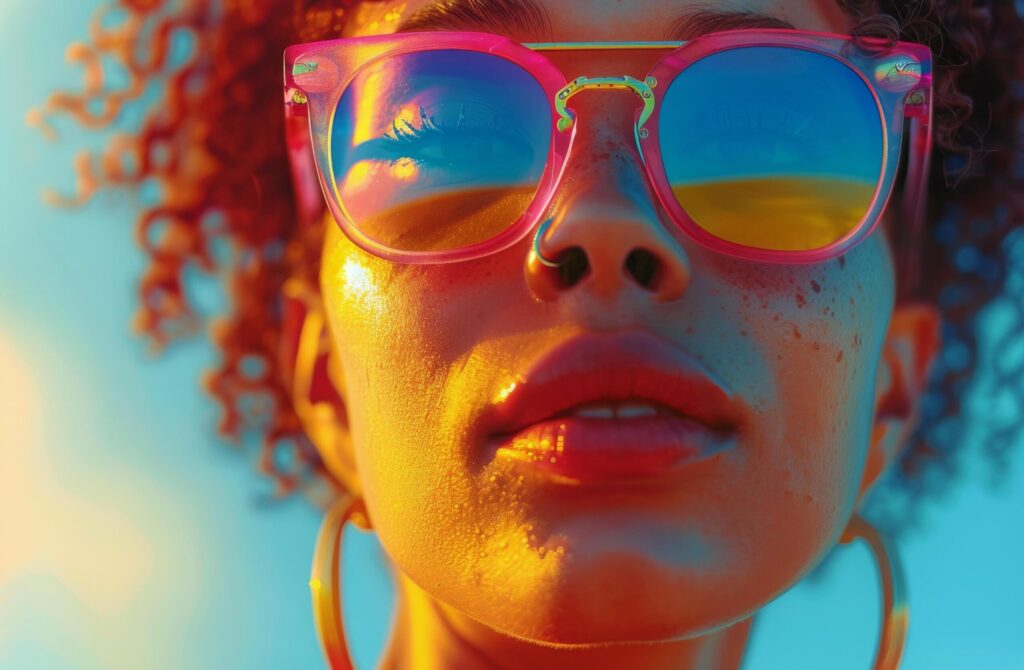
898,75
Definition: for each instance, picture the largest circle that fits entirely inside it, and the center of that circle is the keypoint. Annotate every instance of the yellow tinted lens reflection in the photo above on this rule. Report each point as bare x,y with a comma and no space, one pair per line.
778,213
449,220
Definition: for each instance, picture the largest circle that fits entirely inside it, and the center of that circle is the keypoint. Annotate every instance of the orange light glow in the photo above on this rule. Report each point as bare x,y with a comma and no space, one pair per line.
405,170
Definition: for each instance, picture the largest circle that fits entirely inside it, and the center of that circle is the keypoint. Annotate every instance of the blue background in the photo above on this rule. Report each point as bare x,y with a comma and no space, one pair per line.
131,537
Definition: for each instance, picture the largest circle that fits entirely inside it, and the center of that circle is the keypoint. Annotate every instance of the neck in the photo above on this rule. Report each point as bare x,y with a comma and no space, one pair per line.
429,635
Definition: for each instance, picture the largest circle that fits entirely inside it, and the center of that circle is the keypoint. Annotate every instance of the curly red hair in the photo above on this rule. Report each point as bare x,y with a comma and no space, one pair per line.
214,144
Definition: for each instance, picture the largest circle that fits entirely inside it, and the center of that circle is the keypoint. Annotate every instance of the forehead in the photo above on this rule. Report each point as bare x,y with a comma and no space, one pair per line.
593,20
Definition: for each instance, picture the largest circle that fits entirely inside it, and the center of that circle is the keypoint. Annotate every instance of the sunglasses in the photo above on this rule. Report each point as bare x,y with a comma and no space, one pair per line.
767,145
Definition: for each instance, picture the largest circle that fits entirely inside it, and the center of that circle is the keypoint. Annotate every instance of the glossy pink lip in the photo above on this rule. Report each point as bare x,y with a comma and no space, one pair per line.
534,424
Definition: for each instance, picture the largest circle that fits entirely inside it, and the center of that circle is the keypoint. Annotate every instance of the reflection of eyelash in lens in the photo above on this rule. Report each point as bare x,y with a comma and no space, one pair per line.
456,142
404,138
429,122
404,134
411,132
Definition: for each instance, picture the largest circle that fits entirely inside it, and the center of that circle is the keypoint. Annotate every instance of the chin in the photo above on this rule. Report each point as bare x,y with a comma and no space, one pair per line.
623,599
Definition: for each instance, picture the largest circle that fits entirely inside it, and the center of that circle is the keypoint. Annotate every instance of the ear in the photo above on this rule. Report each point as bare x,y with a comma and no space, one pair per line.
911,345
316,382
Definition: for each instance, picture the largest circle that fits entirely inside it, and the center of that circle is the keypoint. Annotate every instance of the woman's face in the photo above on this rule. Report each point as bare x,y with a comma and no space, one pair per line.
426,354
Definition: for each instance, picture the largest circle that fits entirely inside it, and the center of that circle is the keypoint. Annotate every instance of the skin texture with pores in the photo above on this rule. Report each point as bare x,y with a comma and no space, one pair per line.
593,575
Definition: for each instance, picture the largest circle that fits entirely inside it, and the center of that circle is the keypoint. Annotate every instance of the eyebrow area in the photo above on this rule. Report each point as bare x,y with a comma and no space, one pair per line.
528,19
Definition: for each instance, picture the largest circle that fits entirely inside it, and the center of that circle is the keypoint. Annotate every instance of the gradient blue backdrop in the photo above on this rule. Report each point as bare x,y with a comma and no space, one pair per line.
131,537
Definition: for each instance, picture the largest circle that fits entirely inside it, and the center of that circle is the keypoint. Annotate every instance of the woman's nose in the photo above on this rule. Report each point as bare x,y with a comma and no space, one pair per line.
605,232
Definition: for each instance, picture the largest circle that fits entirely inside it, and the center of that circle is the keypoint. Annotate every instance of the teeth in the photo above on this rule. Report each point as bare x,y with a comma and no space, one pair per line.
595,412
618,412
630,411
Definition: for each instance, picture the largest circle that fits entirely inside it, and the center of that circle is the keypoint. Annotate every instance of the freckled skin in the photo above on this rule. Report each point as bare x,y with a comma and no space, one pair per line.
423,349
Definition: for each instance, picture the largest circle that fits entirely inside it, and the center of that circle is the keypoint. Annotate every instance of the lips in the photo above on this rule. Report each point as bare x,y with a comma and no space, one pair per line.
613,407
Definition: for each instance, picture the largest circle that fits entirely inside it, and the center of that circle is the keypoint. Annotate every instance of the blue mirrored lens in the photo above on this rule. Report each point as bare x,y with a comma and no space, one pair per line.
772,147
438,150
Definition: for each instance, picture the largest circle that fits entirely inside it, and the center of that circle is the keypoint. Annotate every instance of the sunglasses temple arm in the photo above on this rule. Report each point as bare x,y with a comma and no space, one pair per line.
305,182
915,196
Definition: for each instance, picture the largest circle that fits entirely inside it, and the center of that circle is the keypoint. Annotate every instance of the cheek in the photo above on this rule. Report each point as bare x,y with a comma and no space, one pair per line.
405,337
814,335
390,373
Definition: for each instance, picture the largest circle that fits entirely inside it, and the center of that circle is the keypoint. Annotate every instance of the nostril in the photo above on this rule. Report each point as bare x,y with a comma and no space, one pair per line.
642,265
573,266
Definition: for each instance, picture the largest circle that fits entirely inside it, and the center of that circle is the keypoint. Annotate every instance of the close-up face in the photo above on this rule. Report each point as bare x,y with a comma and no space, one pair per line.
534,334
666,430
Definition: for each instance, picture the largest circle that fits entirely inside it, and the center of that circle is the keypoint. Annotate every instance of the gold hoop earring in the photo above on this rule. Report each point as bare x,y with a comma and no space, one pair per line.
895,610
325,582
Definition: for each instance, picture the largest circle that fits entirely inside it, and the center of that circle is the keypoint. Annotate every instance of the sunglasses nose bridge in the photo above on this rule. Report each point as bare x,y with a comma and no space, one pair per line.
642,89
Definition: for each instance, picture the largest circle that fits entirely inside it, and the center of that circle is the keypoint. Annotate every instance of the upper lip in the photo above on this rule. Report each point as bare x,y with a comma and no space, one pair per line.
614,367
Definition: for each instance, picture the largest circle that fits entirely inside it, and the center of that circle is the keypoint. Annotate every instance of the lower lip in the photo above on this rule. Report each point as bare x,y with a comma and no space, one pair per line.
590,450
